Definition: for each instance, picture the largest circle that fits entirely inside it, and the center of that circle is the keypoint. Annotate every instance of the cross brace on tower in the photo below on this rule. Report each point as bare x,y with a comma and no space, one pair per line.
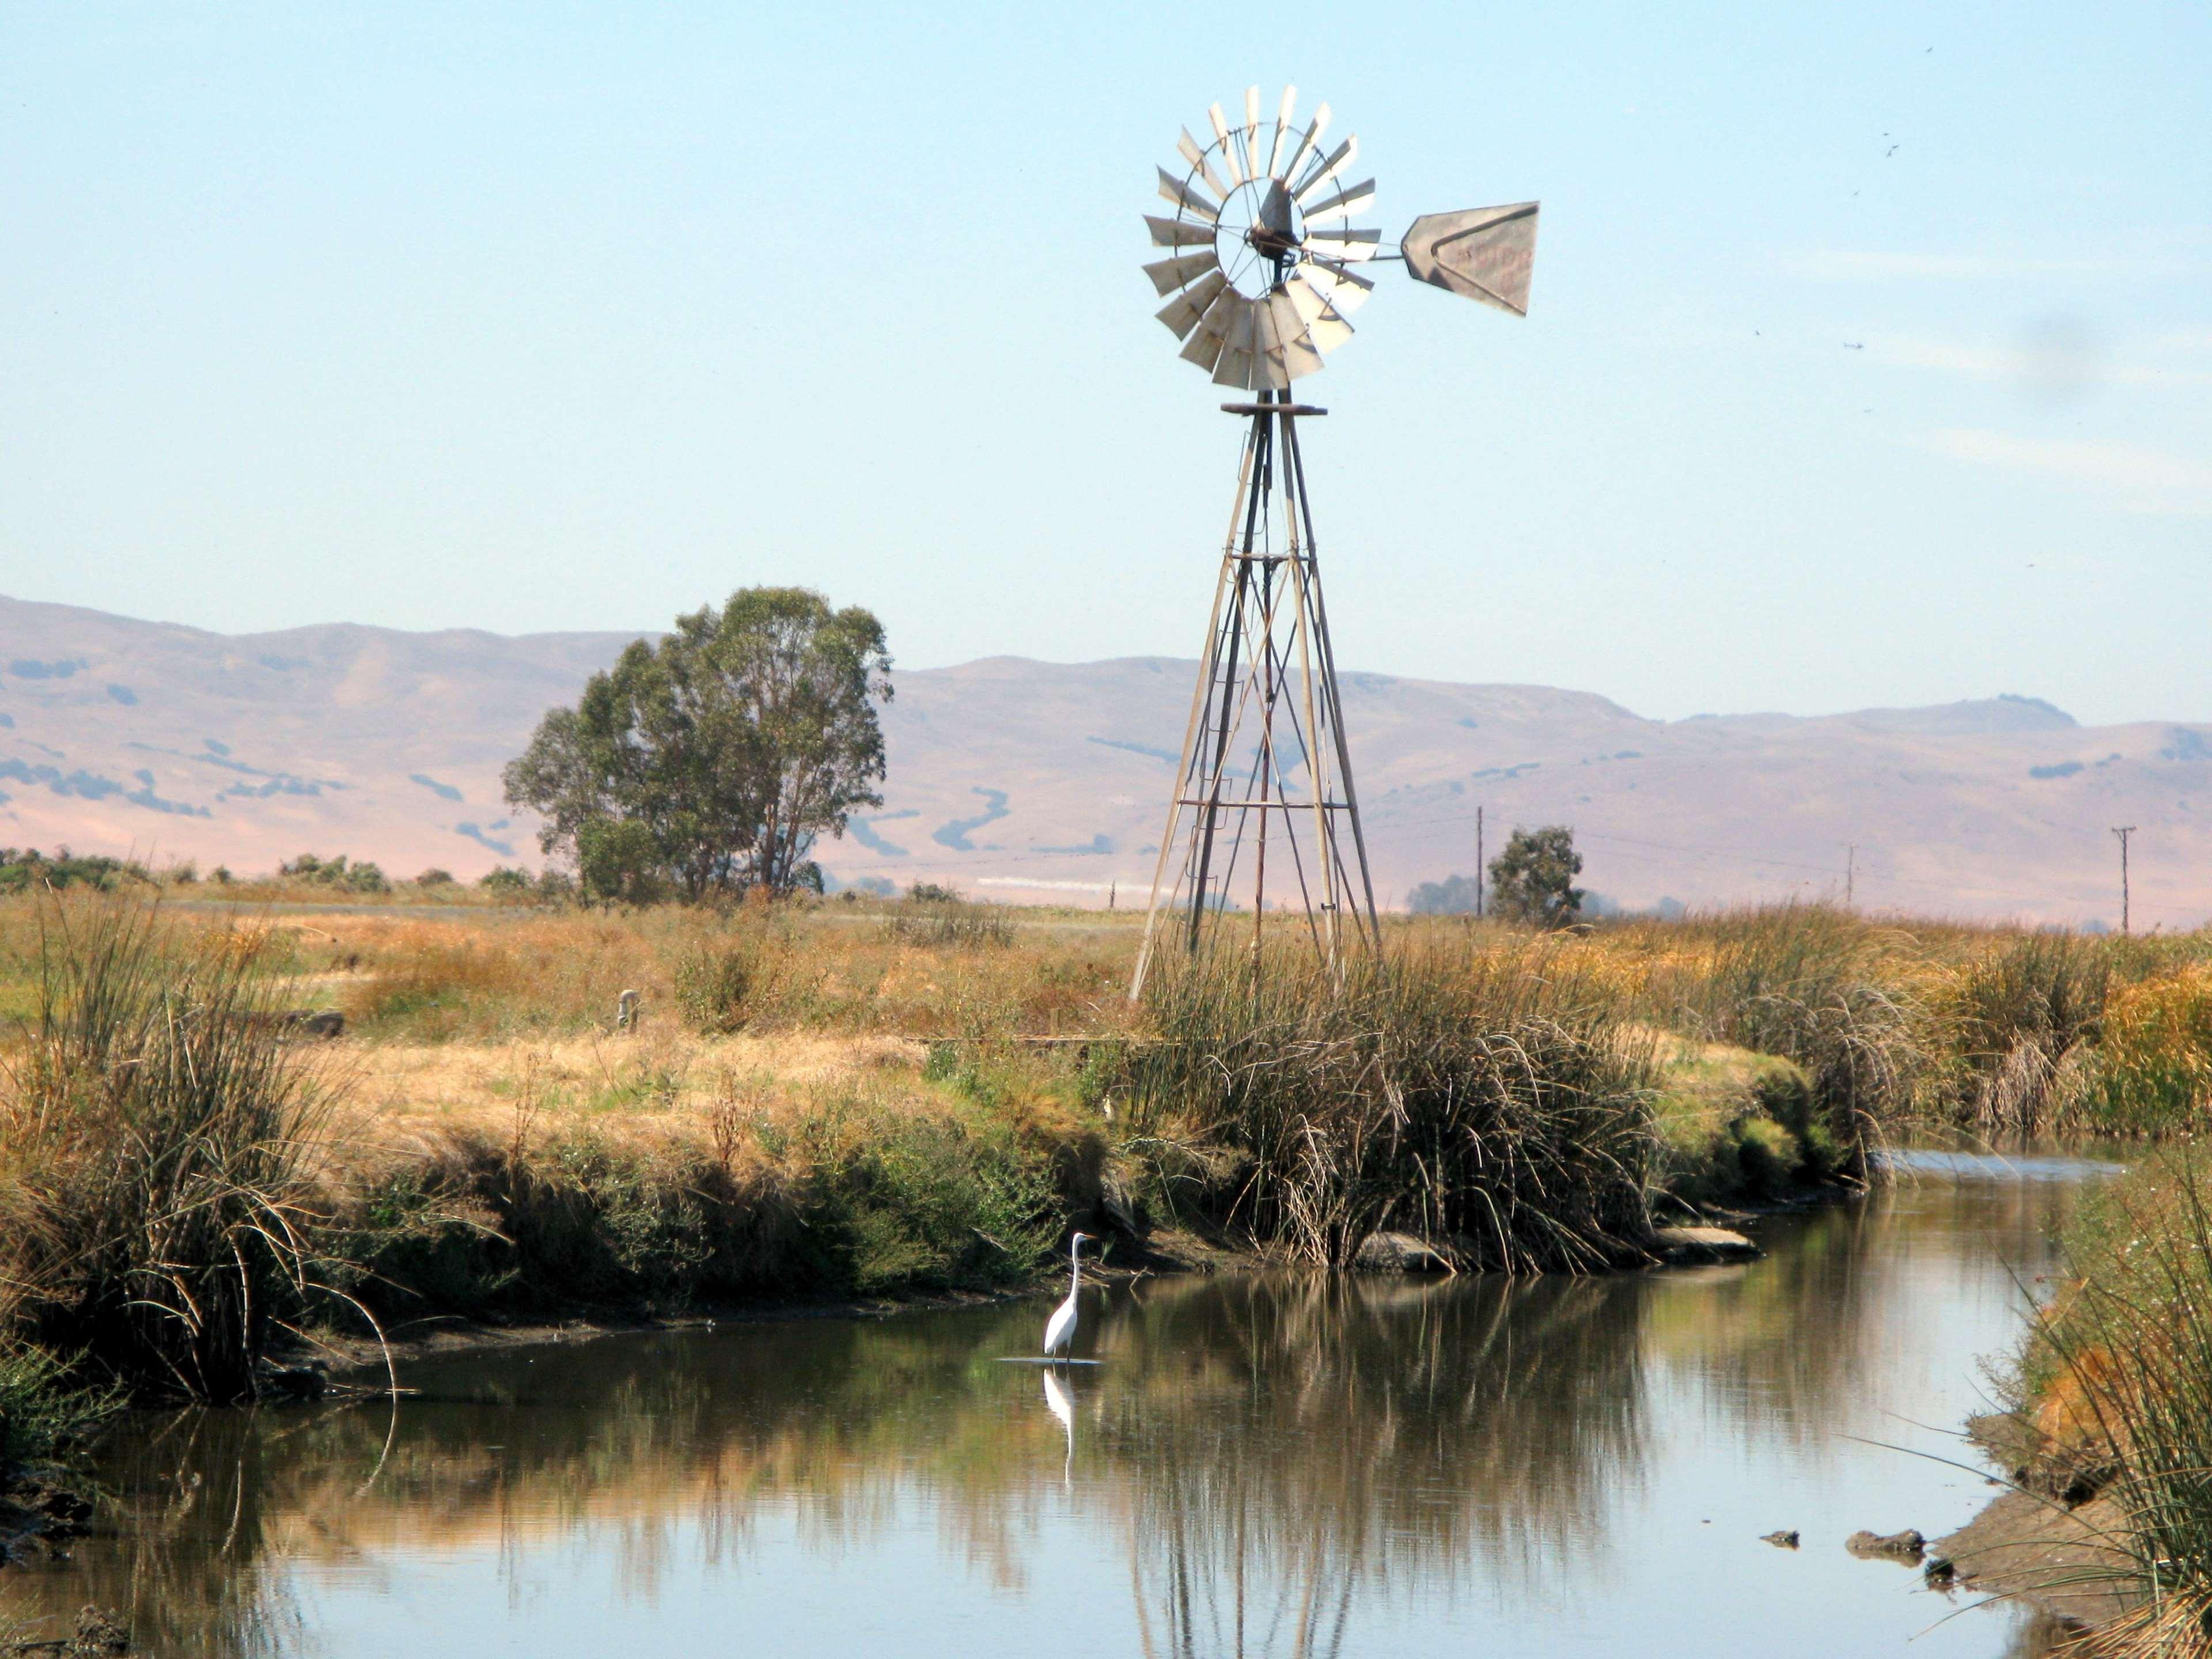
1264,784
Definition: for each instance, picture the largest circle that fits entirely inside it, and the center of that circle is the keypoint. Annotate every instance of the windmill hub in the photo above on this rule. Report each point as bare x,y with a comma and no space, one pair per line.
1259,235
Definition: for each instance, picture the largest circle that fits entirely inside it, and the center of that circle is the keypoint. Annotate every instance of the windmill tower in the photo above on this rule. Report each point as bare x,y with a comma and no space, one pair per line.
1263,267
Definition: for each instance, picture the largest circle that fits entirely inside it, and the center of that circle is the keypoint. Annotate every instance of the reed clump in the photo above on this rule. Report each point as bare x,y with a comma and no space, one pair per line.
161,1156
2117,1385
950,924
1819,988
2152,1069
1487,1099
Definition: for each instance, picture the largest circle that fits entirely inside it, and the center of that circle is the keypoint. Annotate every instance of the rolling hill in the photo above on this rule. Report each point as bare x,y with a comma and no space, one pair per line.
1042,782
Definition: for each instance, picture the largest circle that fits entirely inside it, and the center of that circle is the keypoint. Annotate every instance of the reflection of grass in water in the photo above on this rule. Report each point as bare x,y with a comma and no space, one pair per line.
1795,1331
1521,1401
1304,1442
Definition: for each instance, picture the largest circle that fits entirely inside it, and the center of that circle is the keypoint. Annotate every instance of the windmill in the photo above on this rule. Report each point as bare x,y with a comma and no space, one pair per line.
1262,268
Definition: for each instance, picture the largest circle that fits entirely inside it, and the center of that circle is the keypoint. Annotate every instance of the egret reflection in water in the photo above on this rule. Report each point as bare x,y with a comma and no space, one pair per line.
1057,1401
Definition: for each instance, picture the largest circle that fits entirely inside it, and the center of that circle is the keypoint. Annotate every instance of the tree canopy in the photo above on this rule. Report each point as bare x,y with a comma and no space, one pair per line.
710,762
1454,896
1533,879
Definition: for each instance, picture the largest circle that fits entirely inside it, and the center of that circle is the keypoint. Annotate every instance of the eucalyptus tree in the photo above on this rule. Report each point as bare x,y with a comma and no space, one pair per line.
1533,879
710,761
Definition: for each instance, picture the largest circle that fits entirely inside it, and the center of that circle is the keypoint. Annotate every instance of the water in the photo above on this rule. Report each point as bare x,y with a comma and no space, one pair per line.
1274,1465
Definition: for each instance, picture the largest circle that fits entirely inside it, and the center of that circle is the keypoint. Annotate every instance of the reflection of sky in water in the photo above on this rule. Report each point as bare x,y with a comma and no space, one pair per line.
1263,1466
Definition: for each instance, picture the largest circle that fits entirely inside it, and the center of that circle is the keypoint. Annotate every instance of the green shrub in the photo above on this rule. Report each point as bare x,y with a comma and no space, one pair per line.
340,873
930,1203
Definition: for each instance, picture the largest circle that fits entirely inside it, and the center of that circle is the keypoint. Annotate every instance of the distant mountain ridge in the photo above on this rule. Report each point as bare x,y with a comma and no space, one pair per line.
1023,779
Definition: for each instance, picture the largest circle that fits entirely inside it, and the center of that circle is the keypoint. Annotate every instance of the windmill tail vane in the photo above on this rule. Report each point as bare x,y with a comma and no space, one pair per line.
1261,270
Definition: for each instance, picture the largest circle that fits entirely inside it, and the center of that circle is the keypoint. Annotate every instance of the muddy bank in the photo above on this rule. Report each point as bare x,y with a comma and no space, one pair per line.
2030,1544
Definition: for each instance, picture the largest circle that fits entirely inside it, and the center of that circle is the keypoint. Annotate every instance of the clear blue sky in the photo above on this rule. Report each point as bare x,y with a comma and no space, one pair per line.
561,317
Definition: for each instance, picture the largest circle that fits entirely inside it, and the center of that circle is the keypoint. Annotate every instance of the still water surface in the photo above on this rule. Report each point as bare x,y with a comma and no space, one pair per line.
1261,1466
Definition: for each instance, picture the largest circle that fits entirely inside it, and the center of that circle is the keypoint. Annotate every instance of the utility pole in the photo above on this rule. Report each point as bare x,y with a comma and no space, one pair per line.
1481,875
1850,873
2123,831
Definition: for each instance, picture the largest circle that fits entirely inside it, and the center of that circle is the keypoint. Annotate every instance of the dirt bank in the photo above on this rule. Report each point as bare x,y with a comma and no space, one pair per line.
2033,1546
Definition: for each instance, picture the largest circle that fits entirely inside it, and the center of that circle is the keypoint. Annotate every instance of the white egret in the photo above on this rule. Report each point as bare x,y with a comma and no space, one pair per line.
1060,1329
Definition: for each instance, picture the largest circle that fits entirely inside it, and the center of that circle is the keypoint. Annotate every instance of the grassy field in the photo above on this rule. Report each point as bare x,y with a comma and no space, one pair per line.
883,1098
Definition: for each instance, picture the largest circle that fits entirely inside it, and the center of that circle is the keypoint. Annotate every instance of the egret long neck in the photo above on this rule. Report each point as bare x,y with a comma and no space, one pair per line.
1074,1270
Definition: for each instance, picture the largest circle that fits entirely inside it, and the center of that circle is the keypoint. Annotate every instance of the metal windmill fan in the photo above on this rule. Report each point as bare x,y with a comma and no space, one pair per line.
1263,270
1263,256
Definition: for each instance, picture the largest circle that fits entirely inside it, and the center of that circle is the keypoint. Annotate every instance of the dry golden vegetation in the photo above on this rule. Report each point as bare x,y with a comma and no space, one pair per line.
882,1097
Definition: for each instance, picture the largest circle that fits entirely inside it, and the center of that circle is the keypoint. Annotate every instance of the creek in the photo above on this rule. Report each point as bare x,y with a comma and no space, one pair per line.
1262,1464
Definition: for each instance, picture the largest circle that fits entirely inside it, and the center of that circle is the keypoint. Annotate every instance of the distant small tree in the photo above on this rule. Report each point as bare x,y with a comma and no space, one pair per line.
710,762
26,868
504,881
340,871
1533,879
1454,896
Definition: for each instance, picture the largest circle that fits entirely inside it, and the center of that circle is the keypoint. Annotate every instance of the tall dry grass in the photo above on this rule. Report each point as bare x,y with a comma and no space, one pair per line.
2117,1374
161,1155
1482,1096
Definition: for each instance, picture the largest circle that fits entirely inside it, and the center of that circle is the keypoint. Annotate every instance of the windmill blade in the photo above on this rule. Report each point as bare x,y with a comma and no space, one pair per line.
1234,366
1283,114
1267,364
1345,246
1189,149
1324,330
1292,350
1345,289
1306,143
1204,347
1221,136
1190,201
1483,253
1342,157
1187,309
1178,233
1311,304
1169,275
1302,358
1249,135
1327,332
1344,202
